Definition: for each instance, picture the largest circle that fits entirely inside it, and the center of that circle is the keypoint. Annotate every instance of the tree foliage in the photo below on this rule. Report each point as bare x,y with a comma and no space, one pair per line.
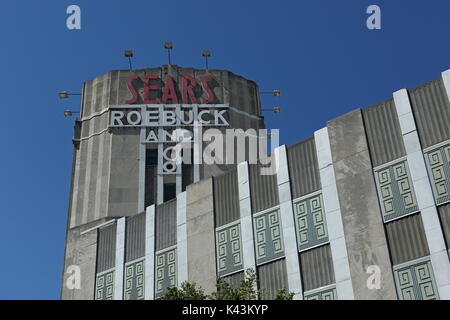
247,290
187,291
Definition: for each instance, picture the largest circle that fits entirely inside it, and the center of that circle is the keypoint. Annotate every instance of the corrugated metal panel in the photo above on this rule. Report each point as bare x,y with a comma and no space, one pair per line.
226,198
432,112
406,239
317,267
106,249
235,279
263,189
272,277
444,212
383,132
135,237
166,224
303,168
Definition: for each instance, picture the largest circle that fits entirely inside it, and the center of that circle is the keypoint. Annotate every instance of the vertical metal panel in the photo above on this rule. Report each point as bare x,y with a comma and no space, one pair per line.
226,198
106,250
235,279
263,189
272,277
303,167
317,267
383,132
406,239
166,224
135,237
432,112
444,213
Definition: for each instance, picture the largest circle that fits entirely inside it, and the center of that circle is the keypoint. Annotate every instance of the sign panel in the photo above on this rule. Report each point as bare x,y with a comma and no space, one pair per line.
152,90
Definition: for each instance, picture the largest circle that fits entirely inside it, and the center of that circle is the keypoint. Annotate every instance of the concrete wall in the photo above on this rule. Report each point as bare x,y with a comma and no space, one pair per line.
80,251
361,217
201,235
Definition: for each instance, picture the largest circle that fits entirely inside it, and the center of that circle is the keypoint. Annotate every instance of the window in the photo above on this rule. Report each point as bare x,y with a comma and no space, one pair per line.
170,191
151,157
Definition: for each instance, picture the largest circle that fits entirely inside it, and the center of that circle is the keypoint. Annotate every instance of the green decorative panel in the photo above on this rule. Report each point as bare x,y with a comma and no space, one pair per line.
328,293
268,236
104,285
415,281
395,190
310,223
166,270
134,280
438,165
229,249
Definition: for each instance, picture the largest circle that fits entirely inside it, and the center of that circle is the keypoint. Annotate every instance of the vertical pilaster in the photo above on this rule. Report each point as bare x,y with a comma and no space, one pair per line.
160,170
288,223
150,253
424,193
179,174
182,239
333,216
197,145
446,80
248,248
120,256
142,150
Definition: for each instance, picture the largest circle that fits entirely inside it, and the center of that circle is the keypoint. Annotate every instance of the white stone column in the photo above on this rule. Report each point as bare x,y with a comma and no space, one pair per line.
160,175
446,80
248,247
149,253
120,257
333,216
424,194
142,151
182,262
179,174
160,171
197,145
288,223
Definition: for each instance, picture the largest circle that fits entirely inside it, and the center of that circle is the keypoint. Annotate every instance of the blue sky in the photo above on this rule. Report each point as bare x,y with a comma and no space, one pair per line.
318,53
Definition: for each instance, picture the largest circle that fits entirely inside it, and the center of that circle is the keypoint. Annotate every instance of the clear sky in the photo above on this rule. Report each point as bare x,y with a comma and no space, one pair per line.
319,53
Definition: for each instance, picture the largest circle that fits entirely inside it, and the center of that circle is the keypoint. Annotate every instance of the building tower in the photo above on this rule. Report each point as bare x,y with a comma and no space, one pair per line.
121,164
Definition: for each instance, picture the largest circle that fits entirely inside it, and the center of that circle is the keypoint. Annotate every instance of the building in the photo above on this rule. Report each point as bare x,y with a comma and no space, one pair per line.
361,210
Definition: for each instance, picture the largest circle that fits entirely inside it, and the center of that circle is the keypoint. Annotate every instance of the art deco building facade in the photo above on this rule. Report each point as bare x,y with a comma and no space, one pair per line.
365,198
